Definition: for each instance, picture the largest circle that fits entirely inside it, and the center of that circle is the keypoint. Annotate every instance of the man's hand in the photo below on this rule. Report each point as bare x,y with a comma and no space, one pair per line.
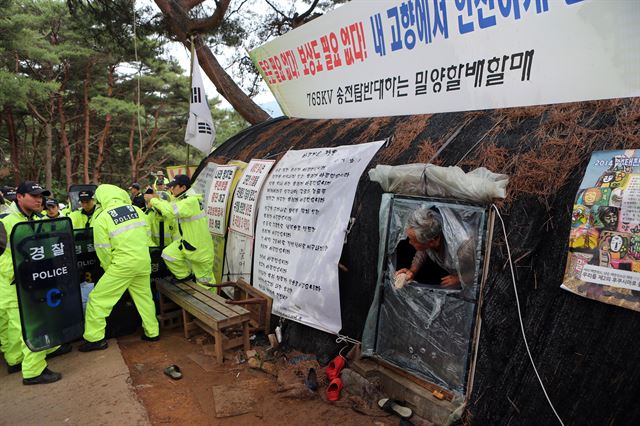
148,197
408,273
450,281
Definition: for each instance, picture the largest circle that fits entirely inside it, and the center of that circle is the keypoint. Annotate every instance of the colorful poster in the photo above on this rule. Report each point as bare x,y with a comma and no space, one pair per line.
604,244
218,198
398,57
172,171
305,207
245,199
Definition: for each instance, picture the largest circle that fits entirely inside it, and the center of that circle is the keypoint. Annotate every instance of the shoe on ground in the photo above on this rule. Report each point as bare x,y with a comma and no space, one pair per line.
311,381
63,349
94,346
174,372
47,376
150,339
14,368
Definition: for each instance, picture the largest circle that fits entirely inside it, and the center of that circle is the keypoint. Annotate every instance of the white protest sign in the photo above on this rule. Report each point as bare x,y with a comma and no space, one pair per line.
203,183
304,213
238,257
218,198
397,57
245,199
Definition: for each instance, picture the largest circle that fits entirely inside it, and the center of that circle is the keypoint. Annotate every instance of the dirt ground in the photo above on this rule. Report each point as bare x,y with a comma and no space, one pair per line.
206,389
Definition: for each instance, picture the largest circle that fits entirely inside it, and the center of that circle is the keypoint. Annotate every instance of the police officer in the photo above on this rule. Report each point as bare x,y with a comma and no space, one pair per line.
83,217
120,236
137,199
16,353
160,182
164,230
193,253
53,209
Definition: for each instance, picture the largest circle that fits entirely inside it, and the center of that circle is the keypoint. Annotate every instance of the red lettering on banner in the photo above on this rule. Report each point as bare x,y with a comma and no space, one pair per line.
345,47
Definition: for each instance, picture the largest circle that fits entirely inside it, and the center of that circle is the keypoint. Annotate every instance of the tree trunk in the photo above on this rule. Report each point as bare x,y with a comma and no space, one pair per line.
64,139
132,156
48,154
77,149
105,132
13,143
179,23
85,105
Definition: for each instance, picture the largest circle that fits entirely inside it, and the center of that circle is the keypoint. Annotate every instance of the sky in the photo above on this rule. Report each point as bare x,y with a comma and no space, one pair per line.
176,50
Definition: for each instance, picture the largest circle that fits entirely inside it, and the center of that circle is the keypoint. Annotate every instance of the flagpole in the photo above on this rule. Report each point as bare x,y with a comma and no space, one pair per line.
193,50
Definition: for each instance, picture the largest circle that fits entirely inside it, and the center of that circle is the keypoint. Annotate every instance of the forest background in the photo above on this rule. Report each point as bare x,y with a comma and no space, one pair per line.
90,93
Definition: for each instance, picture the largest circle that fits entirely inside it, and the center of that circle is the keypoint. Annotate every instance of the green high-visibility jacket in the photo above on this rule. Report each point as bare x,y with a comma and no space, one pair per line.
193,225
121,234
80,219
7,276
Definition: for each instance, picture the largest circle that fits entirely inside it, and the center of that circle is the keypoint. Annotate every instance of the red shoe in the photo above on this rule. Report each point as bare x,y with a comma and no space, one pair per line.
334,388
335,367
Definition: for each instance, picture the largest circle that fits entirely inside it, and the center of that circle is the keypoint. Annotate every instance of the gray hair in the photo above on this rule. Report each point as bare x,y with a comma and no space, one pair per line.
426,223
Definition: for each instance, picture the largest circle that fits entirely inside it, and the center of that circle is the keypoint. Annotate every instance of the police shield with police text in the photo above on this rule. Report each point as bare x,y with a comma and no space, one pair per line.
17,355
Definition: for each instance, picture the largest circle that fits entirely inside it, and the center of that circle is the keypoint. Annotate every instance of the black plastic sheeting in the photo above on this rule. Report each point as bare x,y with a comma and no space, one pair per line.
586,352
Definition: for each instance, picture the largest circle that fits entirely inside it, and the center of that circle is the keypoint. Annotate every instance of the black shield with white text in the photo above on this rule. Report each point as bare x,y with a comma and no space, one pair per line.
47,283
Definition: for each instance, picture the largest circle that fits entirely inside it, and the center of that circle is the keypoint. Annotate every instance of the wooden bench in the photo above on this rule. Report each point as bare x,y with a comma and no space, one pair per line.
255,301
227,324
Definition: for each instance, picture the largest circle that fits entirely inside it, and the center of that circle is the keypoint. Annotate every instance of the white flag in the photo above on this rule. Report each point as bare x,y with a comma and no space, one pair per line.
200,131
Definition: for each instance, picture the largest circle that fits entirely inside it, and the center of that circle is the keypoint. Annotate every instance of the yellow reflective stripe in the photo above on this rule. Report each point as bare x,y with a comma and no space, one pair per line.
102,245
192,218
175,208
167,257
126,228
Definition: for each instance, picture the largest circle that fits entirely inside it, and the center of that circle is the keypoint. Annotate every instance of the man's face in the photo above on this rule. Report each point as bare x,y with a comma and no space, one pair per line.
160,187
52,210
177,190
87,205
30,203
134,191
432,244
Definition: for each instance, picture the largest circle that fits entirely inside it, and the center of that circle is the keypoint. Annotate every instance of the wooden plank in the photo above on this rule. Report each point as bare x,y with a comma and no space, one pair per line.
246,345
433,388
249,289
233,318
202,295
194,306
236,342
218,299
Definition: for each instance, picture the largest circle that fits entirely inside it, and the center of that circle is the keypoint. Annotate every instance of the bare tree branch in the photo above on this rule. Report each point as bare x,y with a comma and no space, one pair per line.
189,4
213,21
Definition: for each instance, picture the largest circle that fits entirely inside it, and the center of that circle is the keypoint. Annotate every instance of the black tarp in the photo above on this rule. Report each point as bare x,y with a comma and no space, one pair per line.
586,352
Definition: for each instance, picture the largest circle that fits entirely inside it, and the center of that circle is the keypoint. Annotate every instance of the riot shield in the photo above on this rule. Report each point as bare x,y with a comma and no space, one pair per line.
47,283
158,267
3,238
74,190
88,265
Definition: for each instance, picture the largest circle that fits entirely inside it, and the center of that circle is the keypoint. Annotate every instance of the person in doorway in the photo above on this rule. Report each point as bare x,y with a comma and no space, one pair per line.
83,217
17,355
120,236
193,252
424,231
